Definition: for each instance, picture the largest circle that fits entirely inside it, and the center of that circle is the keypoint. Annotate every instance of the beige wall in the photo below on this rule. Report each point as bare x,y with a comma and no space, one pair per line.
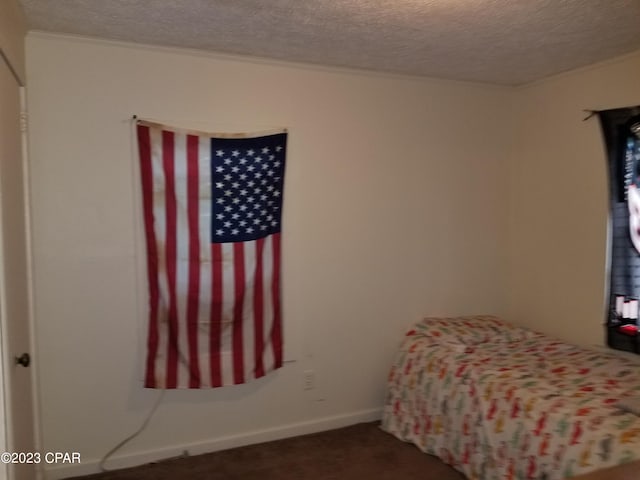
559,200
394,208
443,197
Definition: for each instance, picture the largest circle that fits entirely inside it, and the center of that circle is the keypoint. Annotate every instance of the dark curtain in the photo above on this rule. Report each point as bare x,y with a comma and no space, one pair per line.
621,131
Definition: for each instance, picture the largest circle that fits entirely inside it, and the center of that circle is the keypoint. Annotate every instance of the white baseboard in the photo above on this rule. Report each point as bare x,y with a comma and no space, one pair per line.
88,467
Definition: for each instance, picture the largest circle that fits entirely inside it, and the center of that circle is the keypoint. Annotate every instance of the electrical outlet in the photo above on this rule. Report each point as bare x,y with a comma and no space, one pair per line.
309,379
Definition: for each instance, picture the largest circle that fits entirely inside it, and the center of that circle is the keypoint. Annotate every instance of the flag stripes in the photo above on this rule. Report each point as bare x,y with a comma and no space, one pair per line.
276,321
171,234
214,308
193,296
239,295
216,316
144,145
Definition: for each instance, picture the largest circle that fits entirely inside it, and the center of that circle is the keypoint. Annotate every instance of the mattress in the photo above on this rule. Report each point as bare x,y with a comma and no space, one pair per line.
497,401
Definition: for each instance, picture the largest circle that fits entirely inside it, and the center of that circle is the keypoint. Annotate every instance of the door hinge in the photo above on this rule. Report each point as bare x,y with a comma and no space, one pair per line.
23,121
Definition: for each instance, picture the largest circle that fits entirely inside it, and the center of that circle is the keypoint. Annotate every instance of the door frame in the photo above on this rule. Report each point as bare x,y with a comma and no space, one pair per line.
26,180
6,360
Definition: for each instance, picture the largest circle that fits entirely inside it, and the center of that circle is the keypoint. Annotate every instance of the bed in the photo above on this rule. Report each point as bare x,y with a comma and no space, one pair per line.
497,401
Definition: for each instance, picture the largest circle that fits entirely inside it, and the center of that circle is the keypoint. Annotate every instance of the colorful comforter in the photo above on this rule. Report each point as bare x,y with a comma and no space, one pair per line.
501,402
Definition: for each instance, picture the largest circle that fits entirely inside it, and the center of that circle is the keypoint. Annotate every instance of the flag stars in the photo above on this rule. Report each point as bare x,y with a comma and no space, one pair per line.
248,191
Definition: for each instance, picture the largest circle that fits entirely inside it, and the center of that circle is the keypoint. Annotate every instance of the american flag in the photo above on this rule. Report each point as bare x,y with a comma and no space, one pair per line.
212,208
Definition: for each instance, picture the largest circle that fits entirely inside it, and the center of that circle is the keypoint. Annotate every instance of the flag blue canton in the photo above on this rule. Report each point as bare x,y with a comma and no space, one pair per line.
247,178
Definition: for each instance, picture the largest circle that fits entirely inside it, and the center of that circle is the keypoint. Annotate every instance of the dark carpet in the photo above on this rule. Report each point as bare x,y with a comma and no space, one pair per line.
359,452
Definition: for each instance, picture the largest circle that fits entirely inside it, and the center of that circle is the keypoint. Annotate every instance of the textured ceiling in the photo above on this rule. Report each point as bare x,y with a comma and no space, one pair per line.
508,42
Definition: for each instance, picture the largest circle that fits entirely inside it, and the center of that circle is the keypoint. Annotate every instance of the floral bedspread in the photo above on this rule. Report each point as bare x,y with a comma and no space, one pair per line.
501,402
